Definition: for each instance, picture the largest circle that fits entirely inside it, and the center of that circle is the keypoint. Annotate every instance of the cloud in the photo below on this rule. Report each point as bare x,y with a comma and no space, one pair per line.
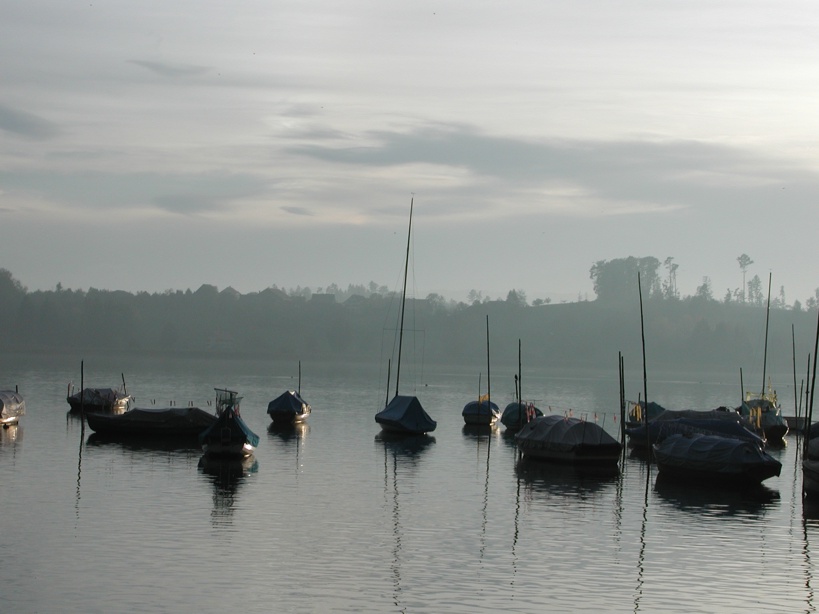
582,176
297,210
167,69
175,193
26,124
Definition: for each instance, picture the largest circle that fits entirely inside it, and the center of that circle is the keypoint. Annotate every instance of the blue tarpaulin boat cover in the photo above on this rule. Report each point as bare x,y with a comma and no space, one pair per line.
405,414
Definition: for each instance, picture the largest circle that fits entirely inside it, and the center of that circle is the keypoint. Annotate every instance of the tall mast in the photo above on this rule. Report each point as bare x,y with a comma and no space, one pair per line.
403,301
767,318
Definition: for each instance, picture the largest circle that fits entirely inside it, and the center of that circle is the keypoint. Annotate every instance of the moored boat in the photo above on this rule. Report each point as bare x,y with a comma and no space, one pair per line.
765,413
724,424
404,414
568,440
110,400
714,459
481,413
288,408
12,406
229,436
138,423
518,413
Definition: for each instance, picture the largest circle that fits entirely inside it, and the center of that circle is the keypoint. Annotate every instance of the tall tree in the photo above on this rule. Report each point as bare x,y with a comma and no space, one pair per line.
744,262
616,280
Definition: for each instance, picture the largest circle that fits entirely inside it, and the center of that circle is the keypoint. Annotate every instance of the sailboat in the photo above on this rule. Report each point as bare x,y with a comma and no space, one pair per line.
289,407
482,412
519,412
229,436
763,409
404,414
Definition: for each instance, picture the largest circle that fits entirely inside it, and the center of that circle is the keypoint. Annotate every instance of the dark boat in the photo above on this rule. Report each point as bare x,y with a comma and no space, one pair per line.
106,400
12,406
167,422
810,467
481,413
405,414
229,436
714,459
568,440
518,413
288,408
765,413
724,424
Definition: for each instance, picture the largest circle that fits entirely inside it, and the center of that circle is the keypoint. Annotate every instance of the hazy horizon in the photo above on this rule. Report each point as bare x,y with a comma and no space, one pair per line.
166,147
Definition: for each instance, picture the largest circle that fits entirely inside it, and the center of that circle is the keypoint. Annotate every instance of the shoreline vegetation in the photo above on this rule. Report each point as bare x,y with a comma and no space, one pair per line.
681,332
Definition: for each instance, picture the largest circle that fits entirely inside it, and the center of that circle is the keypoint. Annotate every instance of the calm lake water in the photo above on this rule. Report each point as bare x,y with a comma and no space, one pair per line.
331,518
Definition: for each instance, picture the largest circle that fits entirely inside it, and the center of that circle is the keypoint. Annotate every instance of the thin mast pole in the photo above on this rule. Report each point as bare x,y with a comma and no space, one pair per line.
488,390
767,318
403,301
645,379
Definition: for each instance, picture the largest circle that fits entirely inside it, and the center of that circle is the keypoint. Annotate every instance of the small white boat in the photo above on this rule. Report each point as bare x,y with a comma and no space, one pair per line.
12,406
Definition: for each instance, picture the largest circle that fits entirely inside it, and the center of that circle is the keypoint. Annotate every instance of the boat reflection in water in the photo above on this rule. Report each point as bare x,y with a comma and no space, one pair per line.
158,444
402,457
226,474
570,480
714,500
11,434
288,432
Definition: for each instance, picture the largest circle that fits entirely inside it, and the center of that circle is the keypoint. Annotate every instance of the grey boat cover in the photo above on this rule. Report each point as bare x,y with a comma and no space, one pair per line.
405,414
12,405
562,434
712,454
287,405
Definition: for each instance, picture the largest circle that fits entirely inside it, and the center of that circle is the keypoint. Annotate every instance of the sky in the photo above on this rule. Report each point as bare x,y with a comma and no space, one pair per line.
160,146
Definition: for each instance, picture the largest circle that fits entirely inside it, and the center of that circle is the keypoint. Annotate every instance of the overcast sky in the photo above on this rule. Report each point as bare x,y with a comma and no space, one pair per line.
163,145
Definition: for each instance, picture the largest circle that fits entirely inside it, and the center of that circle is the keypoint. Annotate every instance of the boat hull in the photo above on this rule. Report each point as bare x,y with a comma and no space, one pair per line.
713,459
171,422
568,440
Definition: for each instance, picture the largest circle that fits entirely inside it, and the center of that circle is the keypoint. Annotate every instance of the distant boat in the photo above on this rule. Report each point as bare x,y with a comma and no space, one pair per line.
690,422
289,407
709,459
764,412
12,406
763,409
518,413
482,412
229,436
405,414
106,400
182,423
567,440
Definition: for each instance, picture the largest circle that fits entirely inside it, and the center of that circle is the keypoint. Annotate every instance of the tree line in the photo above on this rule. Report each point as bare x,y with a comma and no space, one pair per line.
681,332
